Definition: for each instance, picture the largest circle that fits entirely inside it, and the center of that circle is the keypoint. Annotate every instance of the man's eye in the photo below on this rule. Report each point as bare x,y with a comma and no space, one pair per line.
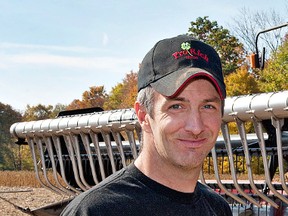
176,106
209,106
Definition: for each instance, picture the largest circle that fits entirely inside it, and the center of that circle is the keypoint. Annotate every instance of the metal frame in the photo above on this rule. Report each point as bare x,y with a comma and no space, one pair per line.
85,148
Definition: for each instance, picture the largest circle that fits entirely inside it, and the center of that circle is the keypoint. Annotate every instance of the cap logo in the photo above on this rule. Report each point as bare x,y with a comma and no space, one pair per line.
189,53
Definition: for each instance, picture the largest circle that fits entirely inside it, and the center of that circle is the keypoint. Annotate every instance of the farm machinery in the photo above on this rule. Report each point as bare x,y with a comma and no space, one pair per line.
82,148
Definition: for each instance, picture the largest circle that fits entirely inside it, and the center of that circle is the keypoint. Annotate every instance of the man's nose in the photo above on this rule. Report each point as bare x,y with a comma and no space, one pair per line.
194,123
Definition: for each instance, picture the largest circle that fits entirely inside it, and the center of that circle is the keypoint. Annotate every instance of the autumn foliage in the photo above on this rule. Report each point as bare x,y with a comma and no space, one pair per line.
121,96
95,97
240,79
124,94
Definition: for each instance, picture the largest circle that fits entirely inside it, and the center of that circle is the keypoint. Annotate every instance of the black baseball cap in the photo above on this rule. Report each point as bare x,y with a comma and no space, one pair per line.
174,62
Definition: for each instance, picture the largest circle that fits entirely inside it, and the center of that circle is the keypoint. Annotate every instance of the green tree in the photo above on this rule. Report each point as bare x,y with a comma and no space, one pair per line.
38,112
274,77
114,96
229,48
124,94
58,108
8,149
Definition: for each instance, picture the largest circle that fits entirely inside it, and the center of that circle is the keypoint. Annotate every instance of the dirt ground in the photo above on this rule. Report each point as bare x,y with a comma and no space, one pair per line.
26,198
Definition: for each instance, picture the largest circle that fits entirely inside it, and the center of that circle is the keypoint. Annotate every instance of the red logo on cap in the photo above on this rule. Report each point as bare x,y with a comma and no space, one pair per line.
190,53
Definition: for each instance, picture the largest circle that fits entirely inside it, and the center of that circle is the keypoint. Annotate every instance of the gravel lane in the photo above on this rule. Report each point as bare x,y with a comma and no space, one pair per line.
25,198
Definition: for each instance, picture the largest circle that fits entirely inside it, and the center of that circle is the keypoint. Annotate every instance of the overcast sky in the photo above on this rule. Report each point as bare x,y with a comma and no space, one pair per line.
52,51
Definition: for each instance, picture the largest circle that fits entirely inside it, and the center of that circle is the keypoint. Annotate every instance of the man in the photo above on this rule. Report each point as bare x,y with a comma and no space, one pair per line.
179,106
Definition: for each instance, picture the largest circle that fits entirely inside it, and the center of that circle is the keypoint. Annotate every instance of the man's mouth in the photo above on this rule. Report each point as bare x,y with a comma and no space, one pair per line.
192,143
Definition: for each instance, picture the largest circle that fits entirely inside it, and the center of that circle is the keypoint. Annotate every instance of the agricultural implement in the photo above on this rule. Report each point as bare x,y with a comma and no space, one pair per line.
81,148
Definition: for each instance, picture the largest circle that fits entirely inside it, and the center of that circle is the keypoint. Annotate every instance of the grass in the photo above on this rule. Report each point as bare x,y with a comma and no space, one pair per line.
28,178
21,178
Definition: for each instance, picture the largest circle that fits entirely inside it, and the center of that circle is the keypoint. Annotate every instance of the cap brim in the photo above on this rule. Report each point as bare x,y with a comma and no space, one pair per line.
172,84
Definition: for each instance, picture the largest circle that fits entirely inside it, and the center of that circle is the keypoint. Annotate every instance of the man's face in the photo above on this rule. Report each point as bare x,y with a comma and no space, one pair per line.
185,128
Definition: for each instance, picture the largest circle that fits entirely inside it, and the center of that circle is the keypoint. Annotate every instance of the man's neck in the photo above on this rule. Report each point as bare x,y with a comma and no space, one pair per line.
176,178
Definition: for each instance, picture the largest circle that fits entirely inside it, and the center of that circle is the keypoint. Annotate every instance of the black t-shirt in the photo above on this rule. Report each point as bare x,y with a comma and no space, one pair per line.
130,192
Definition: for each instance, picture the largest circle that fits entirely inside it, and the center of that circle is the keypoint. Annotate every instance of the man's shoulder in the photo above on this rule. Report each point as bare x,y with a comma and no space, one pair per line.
106,191
111,183
209,193
206,190
211,196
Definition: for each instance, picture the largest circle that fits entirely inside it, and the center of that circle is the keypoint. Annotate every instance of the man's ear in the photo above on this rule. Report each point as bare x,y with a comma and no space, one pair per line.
143,117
